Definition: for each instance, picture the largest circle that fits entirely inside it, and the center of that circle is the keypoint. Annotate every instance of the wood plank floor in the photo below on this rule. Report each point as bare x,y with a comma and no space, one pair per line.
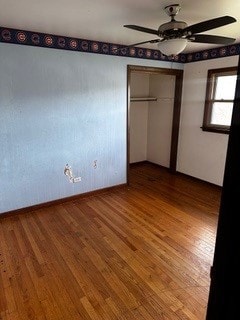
141,252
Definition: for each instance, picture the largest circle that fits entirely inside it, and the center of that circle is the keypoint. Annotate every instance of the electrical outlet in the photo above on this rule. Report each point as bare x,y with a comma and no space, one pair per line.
78,179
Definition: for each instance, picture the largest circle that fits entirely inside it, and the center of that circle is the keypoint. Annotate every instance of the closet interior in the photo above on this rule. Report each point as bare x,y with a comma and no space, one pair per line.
151,117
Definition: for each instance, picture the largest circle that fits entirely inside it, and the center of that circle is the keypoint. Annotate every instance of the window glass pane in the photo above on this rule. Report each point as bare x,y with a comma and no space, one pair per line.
222,113
225,87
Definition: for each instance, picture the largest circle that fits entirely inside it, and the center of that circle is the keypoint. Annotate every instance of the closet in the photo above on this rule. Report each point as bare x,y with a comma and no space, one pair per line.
151,117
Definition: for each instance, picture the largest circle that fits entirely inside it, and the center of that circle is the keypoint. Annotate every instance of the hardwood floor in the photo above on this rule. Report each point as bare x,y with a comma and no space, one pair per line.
142,252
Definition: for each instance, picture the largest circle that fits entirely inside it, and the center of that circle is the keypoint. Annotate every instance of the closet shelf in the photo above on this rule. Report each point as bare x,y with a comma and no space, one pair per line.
135,99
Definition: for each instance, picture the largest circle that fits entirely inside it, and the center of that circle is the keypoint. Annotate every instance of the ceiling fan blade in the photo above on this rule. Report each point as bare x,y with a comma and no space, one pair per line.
138,43
149,41
209,24
205,38
142,29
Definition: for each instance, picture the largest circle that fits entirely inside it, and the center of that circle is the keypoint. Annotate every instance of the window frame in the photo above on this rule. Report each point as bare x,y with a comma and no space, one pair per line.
209,100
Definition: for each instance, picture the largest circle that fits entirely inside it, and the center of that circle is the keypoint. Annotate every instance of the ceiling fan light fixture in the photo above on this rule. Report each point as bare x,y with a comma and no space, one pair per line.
172,47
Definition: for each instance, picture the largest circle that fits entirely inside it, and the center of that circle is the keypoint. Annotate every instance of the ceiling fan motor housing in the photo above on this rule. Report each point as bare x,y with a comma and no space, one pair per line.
171,29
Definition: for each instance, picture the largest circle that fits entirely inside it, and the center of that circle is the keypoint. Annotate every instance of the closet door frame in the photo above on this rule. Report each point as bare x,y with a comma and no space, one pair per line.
176,109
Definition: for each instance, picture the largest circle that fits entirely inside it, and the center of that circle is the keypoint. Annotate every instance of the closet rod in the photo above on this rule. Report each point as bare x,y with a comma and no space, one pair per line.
143,99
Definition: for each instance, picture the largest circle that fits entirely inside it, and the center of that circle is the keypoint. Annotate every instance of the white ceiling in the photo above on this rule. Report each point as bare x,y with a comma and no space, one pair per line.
103,20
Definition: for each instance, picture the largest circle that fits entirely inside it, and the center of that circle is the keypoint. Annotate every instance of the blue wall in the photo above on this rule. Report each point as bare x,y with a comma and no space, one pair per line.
56,108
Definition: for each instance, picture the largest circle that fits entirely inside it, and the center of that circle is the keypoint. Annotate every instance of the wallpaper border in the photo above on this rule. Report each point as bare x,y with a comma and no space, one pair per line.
37,39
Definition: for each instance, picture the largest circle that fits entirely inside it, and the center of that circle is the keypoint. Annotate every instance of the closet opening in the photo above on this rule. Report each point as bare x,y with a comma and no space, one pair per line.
153,116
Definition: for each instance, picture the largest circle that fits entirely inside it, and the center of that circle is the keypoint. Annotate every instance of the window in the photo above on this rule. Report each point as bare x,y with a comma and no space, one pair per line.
221,84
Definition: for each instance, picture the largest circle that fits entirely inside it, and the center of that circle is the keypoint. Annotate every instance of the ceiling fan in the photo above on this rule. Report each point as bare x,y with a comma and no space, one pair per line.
174,35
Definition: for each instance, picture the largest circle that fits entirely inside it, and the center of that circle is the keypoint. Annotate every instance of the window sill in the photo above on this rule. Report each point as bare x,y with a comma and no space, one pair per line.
216,130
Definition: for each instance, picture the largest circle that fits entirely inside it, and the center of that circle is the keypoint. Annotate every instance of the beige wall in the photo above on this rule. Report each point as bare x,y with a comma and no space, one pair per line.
160,115
201,154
